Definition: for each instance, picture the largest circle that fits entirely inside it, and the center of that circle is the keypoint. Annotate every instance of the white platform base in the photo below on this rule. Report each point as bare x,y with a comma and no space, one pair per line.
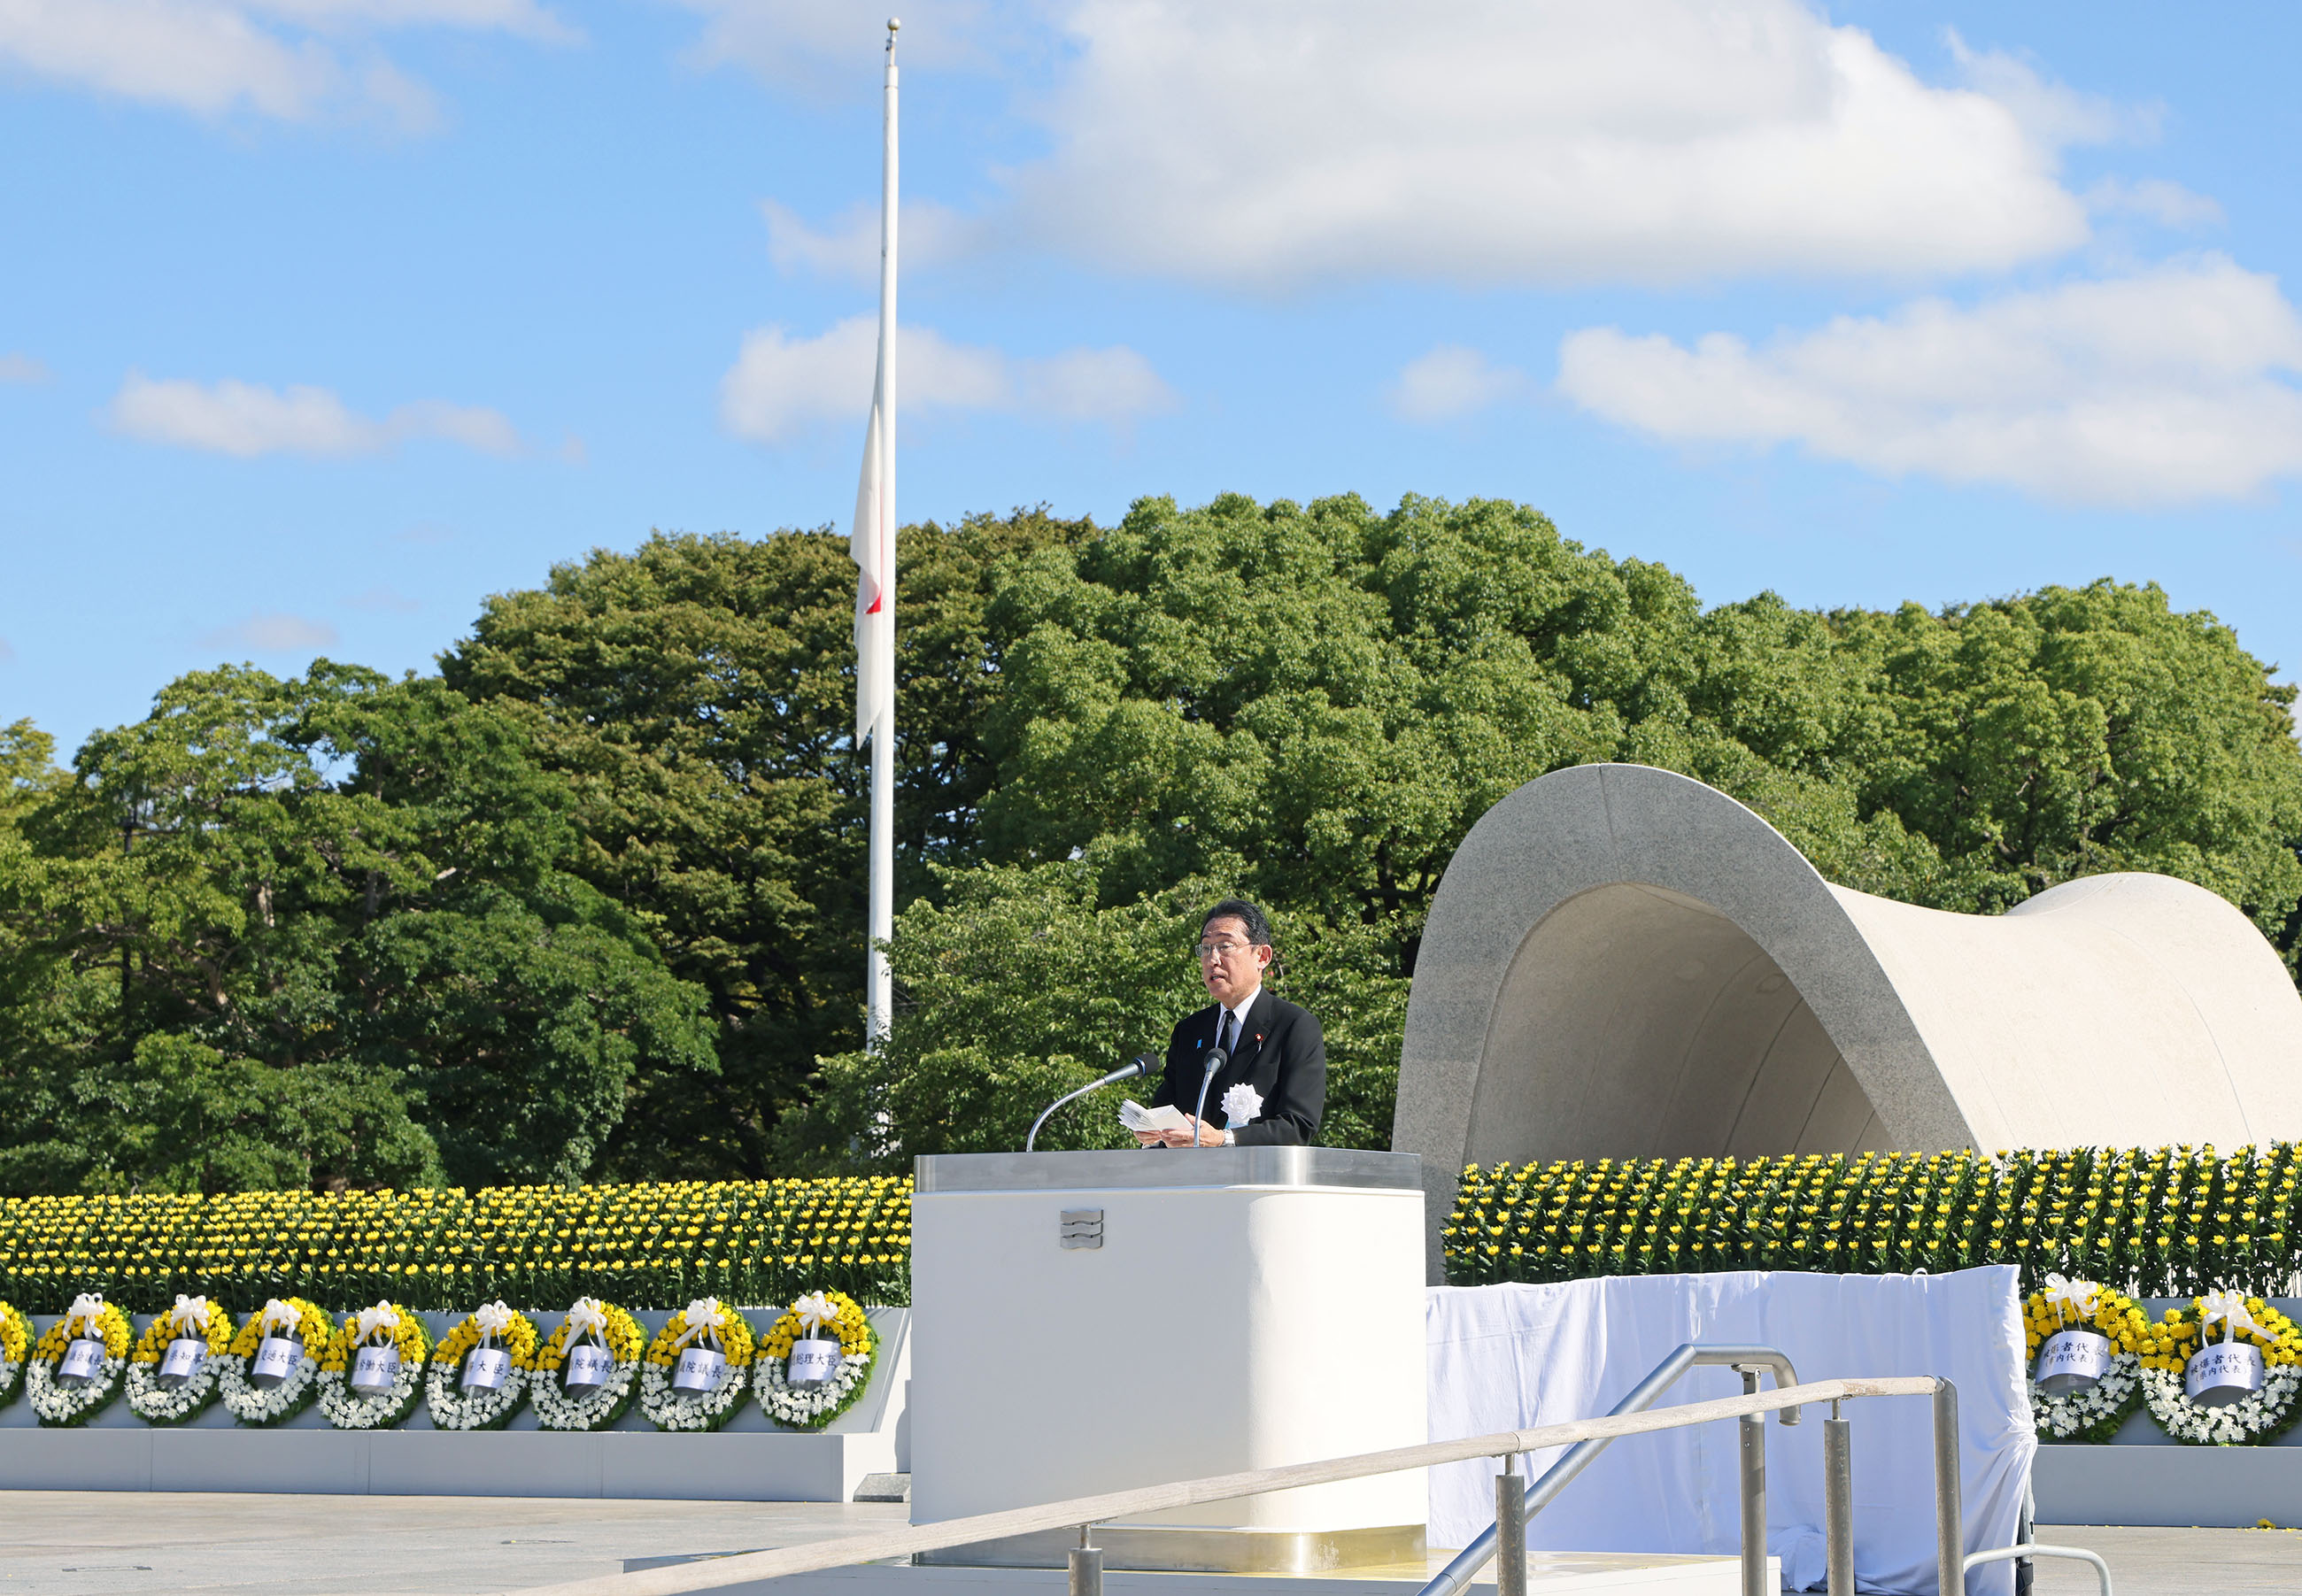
753,1466
1548,1574
2207,1487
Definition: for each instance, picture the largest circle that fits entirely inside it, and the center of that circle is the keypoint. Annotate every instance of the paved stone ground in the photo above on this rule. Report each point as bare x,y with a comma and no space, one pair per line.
2167,1562
83,1543
92,1543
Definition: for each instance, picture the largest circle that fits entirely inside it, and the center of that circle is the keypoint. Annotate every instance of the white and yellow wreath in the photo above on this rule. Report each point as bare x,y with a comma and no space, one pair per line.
589,1323
479,1373
399,1335
167,1385
817,1317
16,1351
2180,1340
2090,1335
70,1386
274,1395
702,1341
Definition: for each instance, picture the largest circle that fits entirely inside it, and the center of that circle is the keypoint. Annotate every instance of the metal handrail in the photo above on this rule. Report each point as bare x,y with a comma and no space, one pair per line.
1457,1575
681,1578
2032,1549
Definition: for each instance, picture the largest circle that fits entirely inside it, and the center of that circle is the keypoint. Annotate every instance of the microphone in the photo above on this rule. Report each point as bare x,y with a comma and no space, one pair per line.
1216,1059
1142,1064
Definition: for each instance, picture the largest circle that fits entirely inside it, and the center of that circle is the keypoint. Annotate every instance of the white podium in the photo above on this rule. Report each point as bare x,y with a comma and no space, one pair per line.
1089,1322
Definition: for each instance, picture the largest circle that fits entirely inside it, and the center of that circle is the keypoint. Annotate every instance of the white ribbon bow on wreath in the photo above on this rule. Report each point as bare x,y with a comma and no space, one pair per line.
588,1316
2230,1308
493,1319
1242,1104
189,1317
381,1316
815,1311
87,1312
2076,1295
281,1317
702,1318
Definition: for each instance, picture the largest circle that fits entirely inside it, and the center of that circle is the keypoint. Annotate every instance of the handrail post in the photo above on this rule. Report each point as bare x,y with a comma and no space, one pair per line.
1752,1428
1510,1529
1087,1566
1838,1504
1950,1526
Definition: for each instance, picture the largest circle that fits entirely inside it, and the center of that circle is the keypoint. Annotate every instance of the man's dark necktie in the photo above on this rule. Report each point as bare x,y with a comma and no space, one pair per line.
1223,1036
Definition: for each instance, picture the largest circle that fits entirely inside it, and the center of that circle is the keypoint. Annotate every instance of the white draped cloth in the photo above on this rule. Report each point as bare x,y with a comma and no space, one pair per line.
1505,1358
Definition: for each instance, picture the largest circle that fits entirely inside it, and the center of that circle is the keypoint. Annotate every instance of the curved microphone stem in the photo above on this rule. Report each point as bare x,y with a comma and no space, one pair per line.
1090,1087
1142,1064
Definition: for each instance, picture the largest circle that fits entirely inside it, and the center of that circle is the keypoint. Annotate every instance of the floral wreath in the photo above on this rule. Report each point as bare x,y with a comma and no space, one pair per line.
294,1319
702,1325
494,1326
605,1326
2092,1416
2260,1418
386,1325
91,1318
193,1318
15,1347
814,1406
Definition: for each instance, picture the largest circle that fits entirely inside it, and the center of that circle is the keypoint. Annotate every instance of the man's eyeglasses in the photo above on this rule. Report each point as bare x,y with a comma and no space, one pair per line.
1220,950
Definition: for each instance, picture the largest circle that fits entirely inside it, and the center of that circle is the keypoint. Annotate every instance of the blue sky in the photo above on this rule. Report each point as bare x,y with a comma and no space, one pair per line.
321,320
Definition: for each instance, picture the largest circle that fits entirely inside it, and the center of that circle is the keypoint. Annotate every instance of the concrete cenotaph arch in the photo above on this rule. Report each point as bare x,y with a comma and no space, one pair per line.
1623,963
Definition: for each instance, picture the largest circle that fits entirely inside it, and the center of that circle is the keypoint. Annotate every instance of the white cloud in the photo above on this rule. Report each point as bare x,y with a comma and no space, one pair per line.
384,600
271,633
247,419
2054,113
833,51
291,59
1451,382
22,368
849,247
2168,386
780,385
2169,205
1254,143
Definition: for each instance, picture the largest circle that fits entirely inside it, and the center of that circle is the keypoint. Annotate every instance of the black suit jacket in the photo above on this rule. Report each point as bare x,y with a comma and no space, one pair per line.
1280,1054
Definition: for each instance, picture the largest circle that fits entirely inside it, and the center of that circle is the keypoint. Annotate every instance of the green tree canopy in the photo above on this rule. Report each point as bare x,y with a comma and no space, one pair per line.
590,901
319,930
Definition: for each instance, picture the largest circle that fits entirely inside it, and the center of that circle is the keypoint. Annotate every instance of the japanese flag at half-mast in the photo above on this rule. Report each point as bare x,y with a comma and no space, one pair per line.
872,547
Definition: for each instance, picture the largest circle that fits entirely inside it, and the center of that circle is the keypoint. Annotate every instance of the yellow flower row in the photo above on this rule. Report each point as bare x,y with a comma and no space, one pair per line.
2172,1219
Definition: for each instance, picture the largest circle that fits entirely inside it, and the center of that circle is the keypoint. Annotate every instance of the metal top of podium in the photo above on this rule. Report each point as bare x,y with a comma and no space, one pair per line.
1171,1167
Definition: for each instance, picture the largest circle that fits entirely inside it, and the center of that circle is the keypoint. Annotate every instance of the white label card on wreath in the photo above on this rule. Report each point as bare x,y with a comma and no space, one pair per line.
812,1362
698,1370
589,1367
2072,1360
275,1360
80,1363
182,1360
373,1369
486,1368
2224,1373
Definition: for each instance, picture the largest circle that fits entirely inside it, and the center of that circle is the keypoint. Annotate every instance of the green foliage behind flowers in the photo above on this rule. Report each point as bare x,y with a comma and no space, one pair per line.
2170,1221
656,1245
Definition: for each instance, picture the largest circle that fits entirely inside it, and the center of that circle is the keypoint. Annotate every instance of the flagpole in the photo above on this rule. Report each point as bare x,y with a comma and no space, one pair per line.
878,984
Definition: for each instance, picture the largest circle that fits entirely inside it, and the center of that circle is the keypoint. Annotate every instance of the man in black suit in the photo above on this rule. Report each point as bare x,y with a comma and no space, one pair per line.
1274,1048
